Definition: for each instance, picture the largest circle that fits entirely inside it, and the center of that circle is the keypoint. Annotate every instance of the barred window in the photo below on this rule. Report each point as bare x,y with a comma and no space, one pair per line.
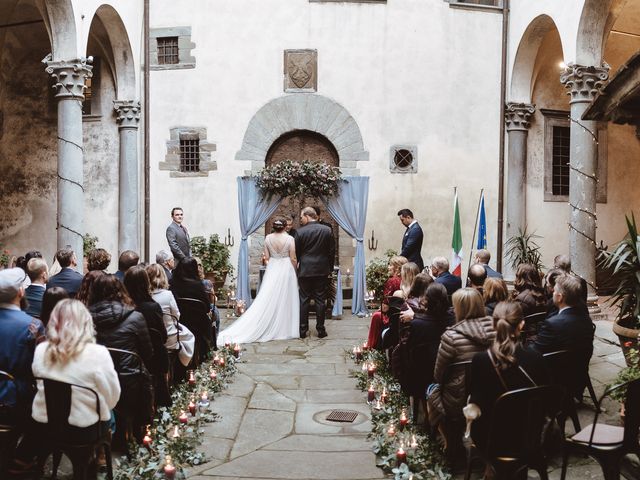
189,154
168,50
560,160
490,3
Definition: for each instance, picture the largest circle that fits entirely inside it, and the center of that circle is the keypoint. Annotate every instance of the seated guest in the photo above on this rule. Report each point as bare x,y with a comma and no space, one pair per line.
87,284
549,285
408,273
495,291
483,257
127,259
380,319
51,297
441,274
528,290
472,333
19,334
476,277
570,329
68,278
504,367
166,300
99,259
118,325
39,274
563,262
137,284
165,260
210,290
71,355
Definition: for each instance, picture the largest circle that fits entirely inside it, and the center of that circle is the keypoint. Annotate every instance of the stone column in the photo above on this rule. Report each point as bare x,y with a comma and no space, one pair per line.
517,117
128,117
69,78
583,83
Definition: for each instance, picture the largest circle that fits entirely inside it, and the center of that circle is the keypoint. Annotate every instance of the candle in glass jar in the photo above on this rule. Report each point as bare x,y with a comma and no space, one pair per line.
371,370
414,441
192,407
192,378
371,394
392,430
221,362
401,456
236,350
213,374
169,469
403,420
378,405
204,401
183,417
384,396
146,441
176,432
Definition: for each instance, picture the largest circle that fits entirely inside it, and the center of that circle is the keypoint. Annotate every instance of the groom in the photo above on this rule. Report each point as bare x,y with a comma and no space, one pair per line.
315,250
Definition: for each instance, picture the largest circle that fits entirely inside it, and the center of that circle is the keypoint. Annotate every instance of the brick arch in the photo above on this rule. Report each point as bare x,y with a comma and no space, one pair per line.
303,111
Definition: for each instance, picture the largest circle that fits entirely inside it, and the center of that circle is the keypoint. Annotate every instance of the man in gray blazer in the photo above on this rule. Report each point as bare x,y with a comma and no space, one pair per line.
178,235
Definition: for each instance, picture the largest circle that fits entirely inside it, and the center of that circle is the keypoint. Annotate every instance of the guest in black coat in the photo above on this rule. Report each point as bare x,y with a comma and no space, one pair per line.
137,284
412,239
570,329
440,271
67,278
528,289
504,367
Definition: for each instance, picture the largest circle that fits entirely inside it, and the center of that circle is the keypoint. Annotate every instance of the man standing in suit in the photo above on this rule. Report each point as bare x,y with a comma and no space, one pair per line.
315,249
412,240
441,274
483,257
39,274
178,236
67,278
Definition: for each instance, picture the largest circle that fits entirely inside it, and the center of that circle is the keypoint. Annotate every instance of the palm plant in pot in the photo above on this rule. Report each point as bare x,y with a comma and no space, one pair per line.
215,257
625,264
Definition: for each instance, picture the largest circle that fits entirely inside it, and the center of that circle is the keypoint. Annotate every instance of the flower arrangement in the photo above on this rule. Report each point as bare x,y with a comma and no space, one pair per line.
169,446
401,447
290,178
377,273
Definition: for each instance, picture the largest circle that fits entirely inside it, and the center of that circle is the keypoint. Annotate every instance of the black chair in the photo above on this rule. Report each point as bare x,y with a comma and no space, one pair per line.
59,434
532,324
515,434
194,314
7,426
560,365
609,443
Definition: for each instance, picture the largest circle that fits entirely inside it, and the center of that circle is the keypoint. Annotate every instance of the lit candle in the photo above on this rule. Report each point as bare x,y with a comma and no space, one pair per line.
371,370
371,394
221,362
216,359
192,378
392,430
403,420
364,366
384,396
365,346
146,441
414,441
183,417
401,456
213,374
192,407
236,350
378,405
348,272
227,343
169,469
204,401
176,432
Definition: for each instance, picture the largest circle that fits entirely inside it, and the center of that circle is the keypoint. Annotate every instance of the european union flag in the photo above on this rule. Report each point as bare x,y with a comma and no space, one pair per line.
482,227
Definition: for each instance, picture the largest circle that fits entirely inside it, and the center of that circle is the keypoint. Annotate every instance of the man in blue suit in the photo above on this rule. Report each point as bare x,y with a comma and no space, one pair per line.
67,278
440,271
483,257
412,239
38,274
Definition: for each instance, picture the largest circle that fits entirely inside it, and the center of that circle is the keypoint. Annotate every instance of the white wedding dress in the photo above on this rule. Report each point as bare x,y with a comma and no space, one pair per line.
275,312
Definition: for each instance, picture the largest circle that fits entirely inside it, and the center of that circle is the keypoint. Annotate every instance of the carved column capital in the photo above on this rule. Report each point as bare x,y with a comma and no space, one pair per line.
127,113
69,76
517,115
583,82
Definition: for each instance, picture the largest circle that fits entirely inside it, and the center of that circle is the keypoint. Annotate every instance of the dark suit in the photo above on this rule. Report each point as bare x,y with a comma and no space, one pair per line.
491,273
412,245
68,279
34,294
571,329
450,282
315,250
178,240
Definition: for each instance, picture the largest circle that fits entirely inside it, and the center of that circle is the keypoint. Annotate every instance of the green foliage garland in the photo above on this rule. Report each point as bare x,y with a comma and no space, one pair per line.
425,459
290,178
148,463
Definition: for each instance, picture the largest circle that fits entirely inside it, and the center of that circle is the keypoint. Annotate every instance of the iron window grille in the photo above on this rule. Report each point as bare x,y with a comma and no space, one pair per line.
560,160
189,155
403,159
168,50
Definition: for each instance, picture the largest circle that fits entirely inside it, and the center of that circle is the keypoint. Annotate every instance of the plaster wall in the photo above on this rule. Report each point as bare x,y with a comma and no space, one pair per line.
409,72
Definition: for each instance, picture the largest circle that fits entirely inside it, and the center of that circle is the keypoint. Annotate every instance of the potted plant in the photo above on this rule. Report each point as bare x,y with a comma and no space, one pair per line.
626,266
522,248
214,256
377,273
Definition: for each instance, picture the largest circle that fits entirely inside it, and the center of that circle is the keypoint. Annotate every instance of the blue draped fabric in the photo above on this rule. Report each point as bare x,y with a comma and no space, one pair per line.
349,208
255,210
337,303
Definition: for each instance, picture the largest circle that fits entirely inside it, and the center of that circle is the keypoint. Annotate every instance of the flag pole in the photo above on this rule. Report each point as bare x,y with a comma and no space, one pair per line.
475,229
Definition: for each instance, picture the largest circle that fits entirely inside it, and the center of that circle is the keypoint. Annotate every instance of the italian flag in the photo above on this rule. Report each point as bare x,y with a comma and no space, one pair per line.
456,240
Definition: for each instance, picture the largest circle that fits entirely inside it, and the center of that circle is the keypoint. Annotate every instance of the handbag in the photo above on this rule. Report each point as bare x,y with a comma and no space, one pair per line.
186,342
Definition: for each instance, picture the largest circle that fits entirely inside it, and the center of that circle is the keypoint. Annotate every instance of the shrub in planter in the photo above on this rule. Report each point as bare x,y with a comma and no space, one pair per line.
377,274
215,257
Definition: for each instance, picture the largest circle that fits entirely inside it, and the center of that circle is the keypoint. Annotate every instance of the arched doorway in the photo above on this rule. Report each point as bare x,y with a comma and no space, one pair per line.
303,145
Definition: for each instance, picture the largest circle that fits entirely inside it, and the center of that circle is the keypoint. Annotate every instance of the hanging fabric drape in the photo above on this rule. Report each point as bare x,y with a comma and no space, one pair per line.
255,210
349,208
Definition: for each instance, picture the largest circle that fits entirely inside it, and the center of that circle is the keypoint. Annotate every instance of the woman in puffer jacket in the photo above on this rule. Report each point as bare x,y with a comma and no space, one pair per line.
118,325
472,333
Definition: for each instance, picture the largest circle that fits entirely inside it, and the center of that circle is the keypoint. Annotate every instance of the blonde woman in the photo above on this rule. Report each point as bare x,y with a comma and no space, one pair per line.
70,354
408,273
380,319
472,333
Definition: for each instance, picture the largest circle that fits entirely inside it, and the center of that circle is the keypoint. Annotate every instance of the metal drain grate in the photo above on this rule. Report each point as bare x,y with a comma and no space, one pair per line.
342,416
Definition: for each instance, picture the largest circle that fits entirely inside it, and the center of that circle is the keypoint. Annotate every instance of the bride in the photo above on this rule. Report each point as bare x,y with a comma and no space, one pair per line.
275,313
